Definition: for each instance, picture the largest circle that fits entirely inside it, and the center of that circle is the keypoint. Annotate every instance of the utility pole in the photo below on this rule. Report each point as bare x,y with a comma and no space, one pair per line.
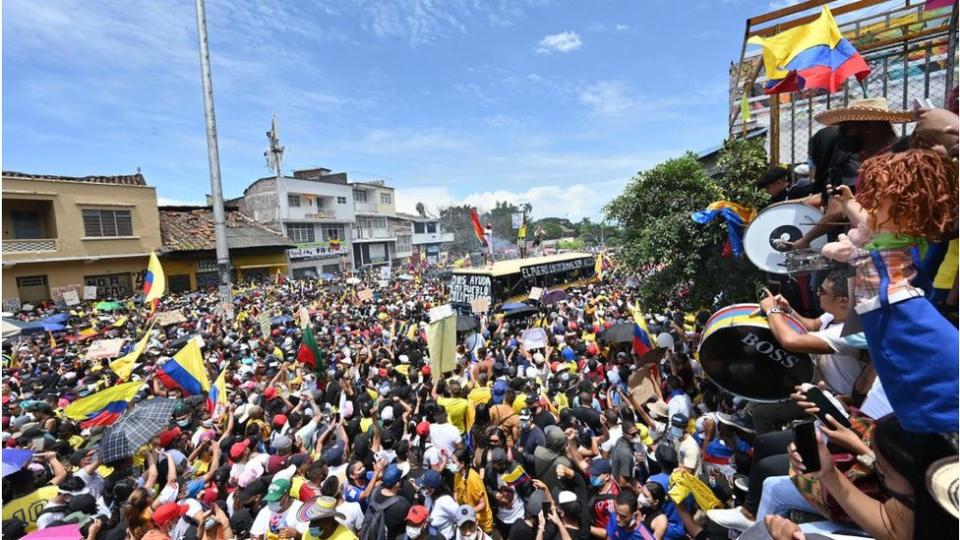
274,155
213,155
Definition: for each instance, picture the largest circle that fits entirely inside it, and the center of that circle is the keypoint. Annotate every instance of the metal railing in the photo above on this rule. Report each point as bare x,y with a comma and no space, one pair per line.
37,245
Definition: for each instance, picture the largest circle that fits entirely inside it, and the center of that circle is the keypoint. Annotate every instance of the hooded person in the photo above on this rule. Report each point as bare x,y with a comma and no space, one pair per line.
548,457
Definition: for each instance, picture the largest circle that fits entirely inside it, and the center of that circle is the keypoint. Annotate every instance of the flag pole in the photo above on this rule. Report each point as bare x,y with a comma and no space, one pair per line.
863,88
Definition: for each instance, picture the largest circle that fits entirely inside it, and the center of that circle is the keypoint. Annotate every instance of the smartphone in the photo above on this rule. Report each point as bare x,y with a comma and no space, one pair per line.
546,508
805,439
827,404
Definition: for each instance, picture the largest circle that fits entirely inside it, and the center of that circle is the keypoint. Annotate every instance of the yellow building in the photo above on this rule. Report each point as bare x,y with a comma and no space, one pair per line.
189,257
63,233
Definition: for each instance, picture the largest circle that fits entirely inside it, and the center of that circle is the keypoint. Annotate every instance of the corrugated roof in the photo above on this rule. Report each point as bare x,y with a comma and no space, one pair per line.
122,180
185,228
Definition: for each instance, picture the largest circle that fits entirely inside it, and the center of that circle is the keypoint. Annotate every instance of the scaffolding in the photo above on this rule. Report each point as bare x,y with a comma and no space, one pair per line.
910,46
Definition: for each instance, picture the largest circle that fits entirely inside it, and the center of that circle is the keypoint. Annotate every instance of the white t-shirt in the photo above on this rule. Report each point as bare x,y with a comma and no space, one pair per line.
269,522
680,404
443,516
689,453
445,437
180,529
615,433
353,514
841,369
509,514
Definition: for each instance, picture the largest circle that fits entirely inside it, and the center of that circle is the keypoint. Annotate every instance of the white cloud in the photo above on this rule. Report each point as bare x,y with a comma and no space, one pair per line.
385,141
562,43
622,27
608,98
616,100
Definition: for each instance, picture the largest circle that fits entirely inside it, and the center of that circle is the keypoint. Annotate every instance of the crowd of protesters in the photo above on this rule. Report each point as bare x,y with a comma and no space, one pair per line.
578,437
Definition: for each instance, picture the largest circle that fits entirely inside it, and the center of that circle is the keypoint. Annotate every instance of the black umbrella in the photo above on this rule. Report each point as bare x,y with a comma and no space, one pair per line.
135,428
618,333
467,322
521,312
553,296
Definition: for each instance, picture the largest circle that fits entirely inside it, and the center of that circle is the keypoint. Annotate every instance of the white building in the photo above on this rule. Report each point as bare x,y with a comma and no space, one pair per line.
380,236
315,209
428,238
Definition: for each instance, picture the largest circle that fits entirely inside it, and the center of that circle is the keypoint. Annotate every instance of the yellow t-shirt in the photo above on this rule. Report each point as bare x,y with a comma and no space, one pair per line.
948,268
470,490
341,533
479,395
456,411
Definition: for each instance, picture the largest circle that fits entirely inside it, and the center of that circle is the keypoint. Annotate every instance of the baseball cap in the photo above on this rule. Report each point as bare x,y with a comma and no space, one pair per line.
423,428
565,497
280,420
169,512
392,475
282,442
680,420
278,488
499,391
417,514
239,448
600,466
525,414
430,479
466,514
334,455
275,463
167,436
535,503
269,393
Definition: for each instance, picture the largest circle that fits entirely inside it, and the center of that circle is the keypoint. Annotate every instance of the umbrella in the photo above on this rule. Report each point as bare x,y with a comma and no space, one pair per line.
282,319
41,327
59,318
12,327
405,277
513,305
108,306
618,333
135,428
525,311
553,296
327,275
61,532
14,460
468,322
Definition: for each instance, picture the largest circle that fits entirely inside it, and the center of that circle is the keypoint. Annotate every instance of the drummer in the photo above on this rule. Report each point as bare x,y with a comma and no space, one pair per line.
776,182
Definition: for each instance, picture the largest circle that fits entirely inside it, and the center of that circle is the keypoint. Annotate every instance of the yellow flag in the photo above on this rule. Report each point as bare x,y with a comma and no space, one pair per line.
125,365
598,266
154,284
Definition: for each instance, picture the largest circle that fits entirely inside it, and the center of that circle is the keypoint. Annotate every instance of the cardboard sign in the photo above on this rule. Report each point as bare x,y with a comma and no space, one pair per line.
11,304
167,318
303,316
104,348
89,292
71,298
56,293
535,293
264,322
480,305
364,295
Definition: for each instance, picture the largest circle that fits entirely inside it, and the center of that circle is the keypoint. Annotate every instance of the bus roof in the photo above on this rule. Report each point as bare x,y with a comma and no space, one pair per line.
513,266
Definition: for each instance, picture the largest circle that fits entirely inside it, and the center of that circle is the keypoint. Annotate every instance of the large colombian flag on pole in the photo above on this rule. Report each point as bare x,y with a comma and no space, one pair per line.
217,399
814,55
154,283
104,407
185,370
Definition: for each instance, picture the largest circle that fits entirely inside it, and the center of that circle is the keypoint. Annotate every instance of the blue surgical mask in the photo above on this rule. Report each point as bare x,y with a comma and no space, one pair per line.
675,433
183,423
315,532
596,481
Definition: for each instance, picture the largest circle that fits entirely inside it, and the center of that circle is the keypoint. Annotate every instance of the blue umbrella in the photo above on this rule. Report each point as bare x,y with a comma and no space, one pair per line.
14,459
40,327
59,318
513,306
282,319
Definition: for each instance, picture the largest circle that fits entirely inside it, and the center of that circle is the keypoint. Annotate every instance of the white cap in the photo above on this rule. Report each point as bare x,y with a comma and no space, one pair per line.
404,359
386,413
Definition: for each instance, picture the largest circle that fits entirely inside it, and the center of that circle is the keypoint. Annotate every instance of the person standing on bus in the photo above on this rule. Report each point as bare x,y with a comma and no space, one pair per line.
488,237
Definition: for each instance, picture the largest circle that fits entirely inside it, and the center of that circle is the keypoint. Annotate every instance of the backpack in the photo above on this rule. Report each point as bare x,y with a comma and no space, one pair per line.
374,525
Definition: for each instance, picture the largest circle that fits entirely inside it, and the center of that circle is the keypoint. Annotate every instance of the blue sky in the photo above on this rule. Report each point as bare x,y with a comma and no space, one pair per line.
556,103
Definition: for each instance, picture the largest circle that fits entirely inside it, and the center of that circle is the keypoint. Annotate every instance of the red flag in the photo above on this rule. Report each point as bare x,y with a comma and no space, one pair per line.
477,227
309,353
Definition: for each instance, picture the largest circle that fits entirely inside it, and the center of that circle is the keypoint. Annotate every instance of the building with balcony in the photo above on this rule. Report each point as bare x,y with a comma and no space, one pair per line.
257,253
379,236
427,239
63,233
315,209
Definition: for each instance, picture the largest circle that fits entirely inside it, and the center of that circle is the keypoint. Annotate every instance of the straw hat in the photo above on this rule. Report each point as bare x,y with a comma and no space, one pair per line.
864,110
943,483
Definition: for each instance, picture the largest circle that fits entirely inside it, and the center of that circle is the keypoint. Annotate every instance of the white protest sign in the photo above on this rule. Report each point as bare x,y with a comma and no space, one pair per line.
89,292
104,348
535,293
480,305
166,318
264,321
364,295
534,338
71,298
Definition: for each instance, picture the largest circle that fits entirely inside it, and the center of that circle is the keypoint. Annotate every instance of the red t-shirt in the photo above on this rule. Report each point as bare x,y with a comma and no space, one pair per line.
603,505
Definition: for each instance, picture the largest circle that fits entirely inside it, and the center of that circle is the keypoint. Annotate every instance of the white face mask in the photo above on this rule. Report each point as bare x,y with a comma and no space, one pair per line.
642,500
470,536
413,532
275,506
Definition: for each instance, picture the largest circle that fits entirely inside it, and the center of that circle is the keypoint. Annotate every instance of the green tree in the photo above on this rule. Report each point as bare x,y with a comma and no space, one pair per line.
681,261
741,163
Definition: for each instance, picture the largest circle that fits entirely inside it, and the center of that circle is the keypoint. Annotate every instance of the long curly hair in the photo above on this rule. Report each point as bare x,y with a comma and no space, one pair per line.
920,186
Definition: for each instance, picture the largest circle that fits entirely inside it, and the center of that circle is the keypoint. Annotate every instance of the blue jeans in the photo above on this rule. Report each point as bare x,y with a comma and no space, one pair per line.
779,496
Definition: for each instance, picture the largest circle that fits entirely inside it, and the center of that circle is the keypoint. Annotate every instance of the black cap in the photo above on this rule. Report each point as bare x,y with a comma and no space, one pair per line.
241,522
14,528
85,503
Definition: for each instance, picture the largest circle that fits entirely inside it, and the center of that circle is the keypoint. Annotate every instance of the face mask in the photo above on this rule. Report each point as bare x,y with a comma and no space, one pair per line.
453,467
315,532
275,506
412,532
183,423
470,536
675,433
524,424
642,500
210,523
596,481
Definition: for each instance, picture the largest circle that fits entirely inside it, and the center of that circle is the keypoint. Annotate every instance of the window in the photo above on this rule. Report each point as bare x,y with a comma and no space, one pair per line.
341,200
359,196
333,233
31,281
431,227
419,228
110,285
300,232
385,198
26,225
207,265
404,244
293,201
101,223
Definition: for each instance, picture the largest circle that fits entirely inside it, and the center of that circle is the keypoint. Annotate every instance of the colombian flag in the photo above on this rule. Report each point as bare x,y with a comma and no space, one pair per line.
185,371
154,283
736,216
217,399
104,407
309,352
814,55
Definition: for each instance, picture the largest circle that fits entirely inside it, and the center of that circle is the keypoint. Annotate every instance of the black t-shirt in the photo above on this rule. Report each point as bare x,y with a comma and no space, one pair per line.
394,517
521,531
543,419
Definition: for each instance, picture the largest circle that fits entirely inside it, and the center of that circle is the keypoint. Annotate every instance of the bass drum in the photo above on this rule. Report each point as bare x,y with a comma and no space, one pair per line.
766,236
739,353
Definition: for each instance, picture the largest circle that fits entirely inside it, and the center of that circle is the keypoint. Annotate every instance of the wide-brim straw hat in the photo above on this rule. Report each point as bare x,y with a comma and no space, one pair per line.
864,110
943,483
